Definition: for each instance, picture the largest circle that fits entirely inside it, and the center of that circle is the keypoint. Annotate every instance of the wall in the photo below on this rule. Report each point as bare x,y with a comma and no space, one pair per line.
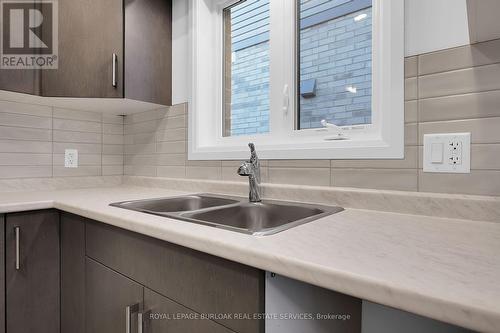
455,90
33,139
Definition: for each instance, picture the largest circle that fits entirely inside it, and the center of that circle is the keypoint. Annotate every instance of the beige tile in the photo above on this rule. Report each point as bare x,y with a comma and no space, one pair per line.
112,139
77,125
299,163
81,171
177,110
171,171
22,120
171,159
390,179
22,133
409,162
144,127
475,105
146,148
141,138
411,135
484,130
112,149
213,163
110,119
81,137
112,159
411,67
77,115
460,57
112,170
145,116
171,147
140,170
172,122
480,182
411,111
178,134
25,159
462,81
236,163
140,159
300,176
83,159
411,91
485,157
197,172
23,171
112,129
83,148
15,146
28,109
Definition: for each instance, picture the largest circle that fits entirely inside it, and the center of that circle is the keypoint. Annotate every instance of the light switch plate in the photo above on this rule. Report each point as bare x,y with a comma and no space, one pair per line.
71,158
447,153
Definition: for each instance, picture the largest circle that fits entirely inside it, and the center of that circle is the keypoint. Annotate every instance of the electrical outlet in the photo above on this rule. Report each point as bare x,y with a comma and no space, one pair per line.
71,158
448,153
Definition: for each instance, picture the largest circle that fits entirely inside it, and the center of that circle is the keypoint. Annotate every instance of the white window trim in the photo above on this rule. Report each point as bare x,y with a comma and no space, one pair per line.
380,141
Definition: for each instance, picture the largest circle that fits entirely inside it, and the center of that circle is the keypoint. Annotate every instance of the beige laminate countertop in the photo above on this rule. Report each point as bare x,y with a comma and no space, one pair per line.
445,269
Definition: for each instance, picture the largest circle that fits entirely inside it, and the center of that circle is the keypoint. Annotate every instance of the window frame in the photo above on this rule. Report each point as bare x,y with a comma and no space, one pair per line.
382,139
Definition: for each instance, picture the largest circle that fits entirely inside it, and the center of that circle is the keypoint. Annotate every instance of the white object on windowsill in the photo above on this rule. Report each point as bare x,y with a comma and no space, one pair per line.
339,132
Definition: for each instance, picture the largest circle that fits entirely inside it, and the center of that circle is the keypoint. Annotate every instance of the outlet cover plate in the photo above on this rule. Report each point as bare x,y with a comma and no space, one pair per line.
455,151
71,158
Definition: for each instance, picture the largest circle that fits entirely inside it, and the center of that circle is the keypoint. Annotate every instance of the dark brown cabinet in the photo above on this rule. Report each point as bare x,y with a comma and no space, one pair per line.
106,49
109,296
32,272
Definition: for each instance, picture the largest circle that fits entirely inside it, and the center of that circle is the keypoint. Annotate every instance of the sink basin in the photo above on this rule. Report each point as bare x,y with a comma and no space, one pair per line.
262,218
233,213
176,204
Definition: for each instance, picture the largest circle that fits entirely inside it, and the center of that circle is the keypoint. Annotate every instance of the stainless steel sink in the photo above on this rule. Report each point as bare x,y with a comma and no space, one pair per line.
233,213
176,204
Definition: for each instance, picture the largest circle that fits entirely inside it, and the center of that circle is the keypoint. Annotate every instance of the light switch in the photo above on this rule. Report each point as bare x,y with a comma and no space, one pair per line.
447,153
437,152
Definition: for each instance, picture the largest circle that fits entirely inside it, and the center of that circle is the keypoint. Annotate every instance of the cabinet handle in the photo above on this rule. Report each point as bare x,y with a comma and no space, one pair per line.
115,61
129,310
142,316
17,231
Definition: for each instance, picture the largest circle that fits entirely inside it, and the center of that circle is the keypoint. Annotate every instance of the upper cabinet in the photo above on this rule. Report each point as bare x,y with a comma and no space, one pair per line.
106,49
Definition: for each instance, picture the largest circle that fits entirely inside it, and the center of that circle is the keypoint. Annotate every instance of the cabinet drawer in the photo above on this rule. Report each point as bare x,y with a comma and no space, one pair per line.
199,281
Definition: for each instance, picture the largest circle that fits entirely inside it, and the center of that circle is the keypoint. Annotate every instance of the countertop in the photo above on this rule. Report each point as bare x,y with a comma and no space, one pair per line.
446,269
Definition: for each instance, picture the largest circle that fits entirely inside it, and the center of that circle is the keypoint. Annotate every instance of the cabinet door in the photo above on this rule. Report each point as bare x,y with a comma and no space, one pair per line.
32,272
90,32
107,296
148,51
164,315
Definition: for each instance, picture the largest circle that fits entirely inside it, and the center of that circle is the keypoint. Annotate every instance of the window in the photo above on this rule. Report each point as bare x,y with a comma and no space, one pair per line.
301,79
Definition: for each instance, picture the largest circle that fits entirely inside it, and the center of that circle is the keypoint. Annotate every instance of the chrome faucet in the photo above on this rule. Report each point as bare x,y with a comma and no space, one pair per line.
251,169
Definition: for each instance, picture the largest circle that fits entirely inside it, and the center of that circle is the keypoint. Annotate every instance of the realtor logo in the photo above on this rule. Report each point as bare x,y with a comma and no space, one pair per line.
29,34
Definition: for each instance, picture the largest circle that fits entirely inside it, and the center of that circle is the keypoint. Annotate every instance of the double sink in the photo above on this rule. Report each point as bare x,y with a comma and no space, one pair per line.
232,213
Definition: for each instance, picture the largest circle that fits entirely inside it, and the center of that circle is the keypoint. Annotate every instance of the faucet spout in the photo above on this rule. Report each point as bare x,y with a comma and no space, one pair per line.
251,169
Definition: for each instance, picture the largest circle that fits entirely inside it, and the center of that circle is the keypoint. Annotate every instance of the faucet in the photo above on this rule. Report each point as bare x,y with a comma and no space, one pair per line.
251,169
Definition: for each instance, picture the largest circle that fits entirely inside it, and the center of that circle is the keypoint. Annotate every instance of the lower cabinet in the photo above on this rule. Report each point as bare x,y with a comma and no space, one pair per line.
116,304
32,272
108,272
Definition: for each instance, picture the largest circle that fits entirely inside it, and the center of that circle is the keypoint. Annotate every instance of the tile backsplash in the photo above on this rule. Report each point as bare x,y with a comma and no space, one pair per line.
33,139
455,90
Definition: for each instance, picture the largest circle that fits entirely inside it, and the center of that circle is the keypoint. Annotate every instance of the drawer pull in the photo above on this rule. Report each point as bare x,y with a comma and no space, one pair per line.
129,310
17,231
